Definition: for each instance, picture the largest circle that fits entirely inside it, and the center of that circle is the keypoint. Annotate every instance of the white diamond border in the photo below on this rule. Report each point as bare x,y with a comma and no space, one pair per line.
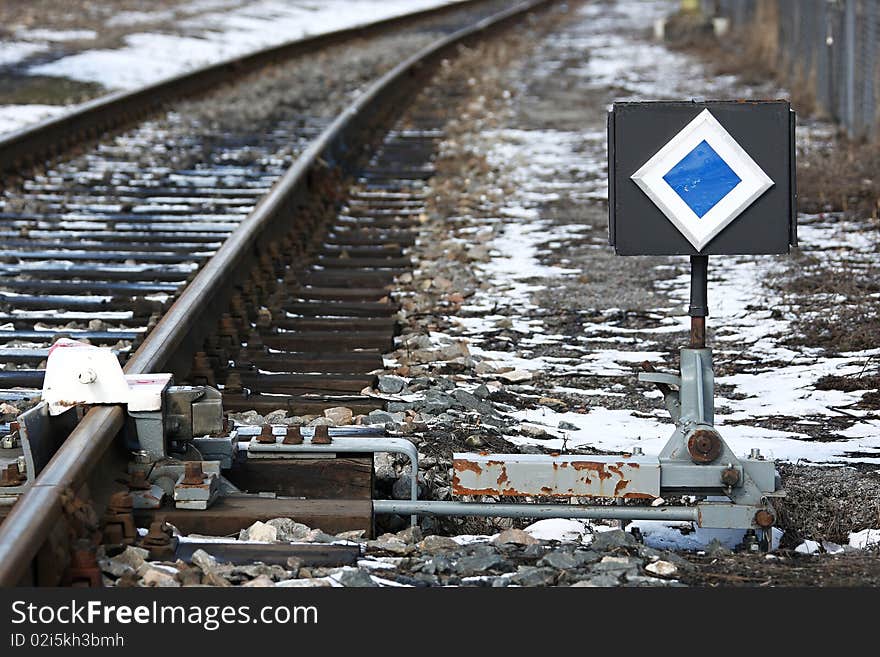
699,231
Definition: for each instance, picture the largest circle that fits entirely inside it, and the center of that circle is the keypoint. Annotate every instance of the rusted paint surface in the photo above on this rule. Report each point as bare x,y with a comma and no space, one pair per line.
554,475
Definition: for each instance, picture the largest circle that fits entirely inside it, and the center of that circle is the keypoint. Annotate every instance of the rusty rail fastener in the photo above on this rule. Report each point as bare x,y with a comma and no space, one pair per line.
193,474
83,571
322,435
267,435
159,541
11,476
293,436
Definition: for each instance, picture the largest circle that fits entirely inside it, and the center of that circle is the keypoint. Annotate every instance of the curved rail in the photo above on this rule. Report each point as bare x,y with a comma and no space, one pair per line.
176,336
54,135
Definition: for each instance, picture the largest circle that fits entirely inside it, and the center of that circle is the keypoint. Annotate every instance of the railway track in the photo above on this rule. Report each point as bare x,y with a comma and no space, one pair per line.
262,263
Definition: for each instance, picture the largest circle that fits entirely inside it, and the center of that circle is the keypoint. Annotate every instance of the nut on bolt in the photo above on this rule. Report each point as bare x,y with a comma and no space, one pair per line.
704,445
764,518
730,476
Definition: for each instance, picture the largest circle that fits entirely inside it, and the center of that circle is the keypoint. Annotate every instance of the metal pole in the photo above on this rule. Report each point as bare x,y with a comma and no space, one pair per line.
488,510
699,308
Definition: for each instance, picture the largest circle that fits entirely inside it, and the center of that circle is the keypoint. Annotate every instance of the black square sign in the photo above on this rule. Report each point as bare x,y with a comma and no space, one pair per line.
689,178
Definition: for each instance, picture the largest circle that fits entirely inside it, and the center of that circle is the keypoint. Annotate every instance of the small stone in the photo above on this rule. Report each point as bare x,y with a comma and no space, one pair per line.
661,569
516,376
8,409
339,415
321,422
559,560
532,576
473,442
248,418
391,384
260,531
276,417
479,563
261,581
393,545
204,560
515,536
410,535
317,536
114,568
568,426
383,466
481,392
294,564
535,551
156,578
213,578
353,535
601,581
356,578
617,564
402,488
433,544
288,530
616,538
534,431
379,417
133,557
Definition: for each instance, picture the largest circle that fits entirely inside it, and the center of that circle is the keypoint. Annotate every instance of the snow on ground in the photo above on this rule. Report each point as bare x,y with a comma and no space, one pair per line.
148,57
13,117
209,31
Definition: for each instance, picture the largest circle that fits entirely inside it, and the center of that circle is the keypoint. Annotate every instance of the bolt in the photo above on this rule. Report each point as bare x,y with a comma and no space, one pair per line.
87,376
193,475
142,457
730,476
755,454
637,451
159,541
321,435
764,518
293,436
267,435
704,445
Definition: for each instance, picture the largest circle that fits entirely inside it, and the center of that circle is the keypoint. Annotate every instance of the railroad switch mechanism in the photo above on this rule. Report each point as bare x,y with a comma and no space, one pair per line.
685,178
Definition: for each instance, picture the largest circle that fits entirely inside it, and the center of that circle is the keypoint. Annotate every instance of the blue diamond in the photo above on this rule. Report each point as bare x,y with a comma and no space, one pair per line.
702,178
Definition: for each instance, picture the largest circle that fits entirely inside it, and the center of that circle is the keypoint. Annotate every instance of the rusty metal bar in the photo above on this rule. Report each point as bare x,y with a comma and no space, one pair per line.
699,307
489,510
513,475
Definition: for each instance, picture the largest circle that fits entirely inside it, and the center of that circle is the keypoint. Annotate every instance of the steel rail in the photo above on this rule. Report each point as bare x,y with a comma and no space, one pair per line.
182,328
94,117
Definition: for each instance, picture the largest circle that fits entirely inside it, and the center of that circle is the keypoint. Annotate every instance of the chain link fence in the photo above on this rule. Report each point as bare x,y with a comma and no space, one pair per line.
826,49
